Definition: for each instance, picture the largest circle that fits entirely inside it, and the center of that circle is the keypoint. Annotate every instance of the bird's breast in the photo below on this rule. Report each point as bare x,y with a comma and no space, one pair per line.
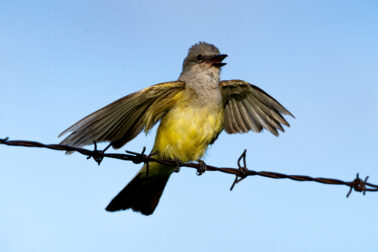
187,129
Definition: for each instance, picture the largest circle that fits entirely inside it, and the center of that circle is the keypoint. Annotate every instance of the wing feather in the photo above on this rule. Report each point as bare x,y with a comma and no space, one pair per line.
256,126
238,116
234,122
227,117
245,115
264,120
122,120
272,113
248,107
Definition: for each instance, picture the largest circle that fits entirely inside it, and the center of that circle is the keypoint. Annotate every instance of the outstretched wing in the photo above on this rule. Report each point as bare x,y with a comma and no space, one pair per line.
122,120
247,107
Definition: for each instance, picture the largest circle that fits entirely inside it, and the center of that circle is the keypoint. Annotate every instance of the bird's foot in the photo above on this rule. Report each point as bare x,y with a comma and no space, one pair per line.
202,167
178,165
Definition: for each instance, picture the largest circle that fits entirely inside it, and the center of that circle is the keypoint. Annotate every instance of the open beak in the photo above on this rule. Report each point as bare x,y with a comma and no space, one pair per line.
217,60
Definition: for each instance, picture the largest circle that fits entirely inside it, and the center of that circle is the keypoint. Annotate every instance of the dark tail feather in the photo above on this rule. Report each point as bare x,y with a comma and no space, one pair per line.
142,194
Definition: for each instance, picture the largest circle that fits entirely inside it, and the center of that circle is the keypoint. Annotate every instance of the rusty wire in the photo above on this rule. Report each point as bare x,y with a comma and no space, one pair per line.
241,172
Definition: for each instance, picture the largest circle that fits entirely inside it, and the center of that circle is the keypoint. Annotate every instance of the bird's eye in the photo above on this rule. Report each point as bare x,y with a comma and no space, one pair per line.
199,57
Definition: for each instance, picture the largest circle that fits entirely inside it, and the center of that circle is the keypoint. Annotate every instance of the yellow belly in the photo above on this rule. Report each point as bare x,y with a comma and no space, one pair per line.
186,131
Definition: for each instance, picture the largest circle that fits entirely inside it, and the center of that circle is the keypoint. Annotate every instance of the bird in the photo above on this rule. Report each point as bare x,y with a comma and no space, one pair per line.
192,112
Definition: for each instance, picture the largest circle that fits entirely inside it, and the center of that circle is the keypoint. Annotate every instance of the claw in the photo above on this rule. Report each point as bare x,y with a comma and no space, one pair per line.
178,165
202,167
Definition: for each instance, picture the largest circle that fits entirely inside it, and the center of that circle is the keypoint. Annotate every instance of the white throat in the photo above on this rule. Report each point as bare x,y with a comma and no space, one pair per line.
203,84
199,77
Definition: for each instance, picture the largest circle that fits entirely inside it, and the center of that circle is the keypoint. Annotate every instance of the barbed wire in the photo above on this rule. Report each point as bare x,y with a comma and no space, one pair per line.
240,173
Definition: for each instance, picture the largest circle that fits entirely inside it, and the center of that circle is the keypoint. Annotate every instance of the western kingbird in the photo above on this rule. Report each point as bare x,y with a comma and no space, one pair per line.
192,112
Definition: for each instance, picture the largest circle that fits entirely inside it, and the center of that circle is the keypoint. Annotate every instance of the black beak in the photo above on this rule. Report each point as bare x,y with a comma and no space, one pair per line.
217,60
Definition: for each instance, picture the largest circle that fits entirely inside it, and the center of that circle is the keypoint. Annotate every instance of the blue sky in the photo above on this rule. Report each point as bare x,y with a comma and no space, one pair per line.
61,60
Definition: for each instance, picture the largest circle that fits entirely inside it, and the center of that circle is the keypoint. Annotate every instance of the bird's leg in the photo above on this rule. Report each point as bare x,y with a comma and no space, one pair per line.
202,167
178,165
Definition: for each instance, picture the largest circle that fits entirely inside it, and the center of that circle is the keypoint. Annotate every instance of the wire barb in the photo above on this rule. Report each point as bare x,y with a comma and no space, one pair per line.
97,155
4,140
242,169
139,157
358,185
241,172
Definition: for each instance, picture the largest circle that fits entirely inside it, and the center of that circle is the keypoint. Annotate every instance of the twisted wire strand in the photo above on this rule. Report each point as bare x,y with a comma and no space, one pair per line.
358,184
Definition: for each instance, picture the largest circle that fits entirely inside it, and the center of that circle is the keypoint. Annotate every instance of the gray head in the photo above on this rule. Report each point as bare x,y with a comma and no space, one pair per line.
204,56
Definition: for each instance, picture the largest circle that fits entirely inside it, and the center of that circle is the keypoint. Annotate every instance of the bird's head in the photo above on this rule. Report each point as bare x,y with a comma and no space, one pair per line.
204,56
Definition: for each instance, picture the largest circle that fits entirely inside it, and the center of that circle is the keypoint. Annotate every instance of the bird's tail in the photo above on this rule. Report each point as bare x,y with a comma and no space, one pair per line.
143,192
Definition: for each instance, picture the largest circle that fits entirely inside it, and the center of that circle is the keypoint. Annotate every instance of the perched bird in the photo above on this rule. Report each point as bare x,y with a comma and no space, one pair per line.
192,112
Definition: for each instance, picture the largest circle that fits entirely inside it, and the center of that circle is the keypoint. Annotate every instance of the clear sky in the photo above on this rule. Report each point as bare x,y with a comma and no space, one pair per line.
61,60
